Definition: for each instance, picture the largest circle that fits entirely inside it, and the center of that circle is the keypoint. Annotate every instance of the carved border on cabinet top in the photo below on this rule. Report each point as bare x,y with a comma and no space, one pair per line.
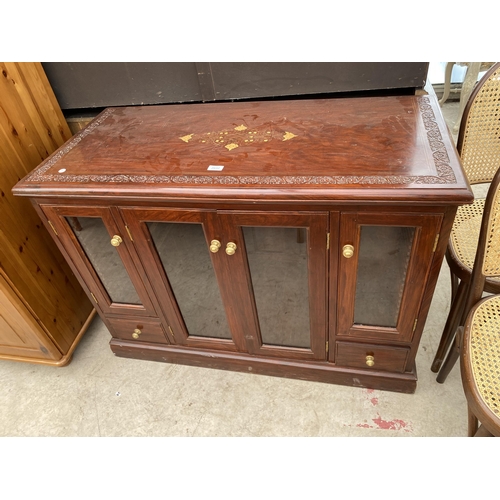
445,174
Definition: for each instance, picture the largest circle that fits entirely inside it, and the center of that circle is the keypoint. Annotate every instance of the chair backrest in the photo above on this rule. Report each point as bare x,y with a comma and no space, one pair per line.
487,260
491,259
479,136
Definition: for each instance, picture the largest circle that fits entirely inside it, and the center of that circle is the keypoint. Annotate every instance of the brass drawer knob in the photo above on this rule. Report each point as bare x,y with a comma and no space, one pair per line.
348,251
116,240
214,246
136,333
231,248
370,360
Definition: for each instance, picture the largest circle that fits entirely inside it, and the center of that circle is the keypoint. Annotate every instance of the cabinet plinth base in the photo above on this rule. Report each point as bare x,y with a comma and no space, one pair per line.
310,371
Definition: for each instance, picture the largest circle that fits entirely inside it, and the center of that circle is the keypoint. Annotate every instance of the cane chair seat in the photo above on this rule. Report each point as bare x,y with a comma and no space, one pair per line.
464,237
481,363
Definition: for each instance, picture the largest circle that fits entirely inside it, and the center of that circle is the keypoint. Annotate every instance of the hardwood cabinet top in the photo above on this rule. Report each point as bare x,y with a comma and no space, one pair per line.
338,149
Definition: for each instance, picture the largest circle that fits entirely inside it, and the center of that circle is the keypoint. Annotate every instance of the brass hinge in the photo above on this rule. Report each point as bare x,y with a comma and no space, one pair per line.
53,228
328,241
327,347
436,242
129,233
415,325
93,296
171,331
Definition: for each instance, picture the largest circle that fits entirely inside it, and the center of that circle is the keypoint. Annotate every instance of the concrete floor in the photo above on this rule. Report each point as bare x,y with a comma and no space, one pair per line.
99,394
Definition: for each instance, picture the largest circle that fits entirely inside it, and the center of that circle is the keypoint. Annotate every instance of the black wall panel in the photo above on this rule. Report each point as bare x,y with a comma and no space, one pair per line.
96,85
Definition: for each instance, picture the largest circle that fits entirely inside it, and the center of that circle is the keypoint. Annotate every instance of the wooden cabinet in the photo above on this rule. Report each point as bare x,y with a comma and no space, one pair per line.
43,310
295,238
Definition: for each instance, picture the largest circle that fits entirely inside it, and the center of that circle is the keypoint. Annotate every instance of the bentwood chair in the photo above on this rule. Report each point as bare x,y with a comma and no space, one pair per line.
480,367
479,148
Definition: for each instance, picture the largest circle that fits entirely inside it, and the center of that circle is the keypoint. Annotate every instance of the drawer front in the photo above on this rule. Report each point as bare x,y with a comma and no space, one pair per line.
138,330
371,357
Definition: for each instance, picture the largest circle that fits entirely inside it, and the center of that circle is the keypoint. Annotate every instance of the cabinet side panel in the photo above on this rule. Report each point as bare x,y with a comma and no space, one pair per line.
31,128
20,334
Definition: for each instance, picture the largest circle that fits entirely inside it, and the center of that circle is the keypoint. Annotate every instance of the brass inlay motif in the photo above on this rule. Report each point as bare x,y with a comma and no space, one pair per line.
288,136
239,136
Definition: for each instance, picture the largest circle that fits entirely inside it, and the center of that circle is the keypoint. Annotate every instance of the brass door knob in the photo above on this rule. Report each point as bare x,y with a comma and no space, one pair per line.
214,246
348,251
136,333
231,248
370,360
116,240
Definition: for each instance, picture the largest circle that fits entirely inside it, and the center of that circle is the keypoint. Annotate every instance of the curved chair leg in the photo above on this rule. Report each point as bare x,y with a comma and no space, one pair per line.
483,432
451,359
450,327
454,285
472,423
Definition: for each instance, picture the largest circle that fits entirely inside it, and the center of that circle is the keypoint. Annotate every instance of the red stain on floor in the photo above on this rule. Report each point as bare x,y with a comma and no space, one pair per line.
390,425
373,401
393,425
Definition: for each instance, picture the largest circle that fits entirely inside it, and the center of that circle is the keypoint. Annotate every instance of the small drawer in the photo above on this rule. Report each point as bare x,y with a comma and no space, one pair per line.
371,357
138,330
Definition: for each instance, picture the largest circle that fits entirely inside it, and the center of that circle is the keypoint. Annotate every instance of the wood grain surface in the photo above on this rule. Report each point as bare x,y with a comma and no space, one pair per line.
324,148
31,128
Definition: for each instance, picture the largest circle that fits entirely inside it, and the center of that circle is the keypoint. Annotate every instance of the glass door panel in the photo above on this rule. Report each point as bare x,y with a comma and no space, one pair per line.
99,246
188,278
95,241
384,254
384,261
184,254
279,278
278,261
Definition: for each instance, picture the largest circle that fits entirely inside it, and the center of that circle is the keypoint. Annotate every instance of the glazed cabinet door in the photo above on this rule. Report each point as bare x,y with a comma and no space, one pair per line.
179,252
100,250
384,261
238,281
276,266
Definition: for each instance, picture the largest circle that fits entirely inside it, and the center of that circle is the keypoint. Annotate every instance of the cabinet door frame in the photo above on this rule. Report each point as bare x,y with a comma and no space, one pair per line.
233,275
242,296
421,256
56,215
136,219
